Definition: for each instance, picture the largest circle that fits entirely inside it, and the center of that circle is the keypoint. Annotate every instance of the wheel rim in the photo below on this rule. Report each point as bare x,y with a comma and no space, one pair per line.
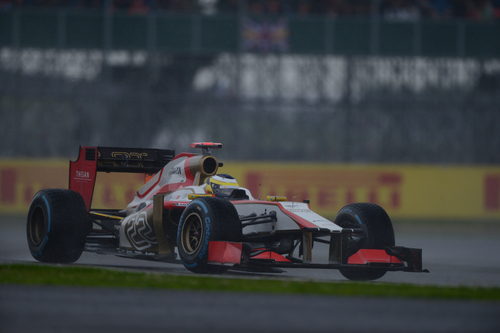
37,227
192,233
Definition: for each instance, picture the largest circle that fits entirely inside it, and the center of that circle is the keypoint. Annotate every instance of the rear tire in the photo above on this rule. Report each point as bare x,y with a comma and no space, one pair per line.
205,220
57,225
377,234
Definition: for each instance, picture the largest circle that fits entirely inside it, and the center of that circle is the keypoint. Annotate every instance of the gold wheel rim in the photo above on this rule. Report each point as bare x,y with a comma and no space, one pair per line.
192,233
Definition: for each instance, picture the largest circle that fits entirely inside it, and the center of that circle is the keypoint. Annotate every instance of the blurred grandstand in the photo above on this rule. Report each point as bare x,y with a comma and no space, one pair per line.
326,80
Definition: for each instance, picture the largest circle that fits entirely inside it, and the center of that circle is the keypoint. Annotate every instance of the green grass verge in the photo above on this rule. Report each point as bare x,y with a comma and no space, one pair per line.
96,277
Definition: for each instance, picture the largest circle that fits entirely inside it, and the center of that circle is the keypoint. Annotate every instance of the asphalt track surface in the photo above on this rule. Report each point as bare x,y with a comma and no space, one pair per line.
463,254
63,309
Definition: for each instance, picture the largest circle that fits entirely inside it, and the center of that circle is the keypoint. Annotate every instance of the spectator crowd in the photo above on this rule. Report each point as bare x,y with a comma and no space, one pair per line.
390,9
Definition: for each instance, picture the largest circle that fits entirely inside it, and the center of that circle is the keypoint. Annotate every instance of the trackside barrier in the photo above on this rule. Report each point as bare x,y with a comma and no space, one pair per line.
406,191
181,33
21,179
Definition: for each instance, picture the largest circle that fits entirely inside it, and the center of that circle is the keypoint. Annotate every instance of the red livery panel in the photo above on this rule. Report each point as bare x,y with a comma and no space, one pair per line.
366,256
271,255
224,252
82,174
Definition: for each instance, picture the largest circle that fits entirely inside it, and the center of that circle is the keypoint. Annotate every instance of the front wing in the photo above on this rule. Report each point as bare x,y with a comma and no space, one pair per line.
396,258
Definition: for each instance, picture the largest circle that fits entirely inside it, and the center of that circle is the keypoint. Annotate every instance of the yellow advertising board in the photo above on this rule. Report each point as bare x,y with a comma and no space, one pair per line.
429,192
21,179
406,191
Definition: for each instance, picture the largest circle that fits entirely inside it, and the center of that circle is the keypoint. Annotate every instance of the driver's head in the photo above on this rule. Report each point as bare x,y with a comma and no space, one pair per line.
222,184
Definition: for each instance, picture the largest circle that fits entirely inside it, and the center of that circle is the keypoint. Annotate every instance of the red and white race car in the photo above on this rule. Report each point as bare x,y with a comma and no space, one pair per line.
189,210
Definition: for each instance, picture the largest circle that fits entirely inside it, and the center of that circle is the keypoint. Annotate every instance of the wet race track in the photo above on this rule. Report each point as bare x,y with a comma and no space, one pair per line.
464,254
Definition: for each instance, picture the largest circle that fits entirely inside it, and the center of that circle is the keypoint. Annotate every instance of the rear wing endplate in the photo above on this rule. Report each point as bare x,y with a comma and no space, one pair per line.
82,172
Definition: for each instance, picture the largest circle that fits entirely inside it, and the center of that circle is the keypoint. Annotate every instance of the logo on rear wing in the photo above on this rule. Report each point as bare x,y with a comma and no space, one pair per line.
82,175
129,155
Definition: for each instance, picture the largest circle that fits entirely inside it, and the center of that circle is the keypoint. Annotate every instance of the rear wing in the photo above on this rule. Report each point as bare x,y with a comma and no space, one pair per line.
83,171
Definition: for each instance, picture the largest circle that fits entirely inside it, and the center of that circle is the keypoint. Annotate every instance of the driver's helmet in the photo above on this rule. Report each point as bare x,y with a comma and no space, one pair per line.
221,184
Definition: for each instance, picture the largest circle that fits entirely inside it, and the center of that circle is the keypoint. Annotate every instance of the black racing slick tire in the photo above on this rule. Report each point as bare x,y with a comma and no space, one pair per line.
57,226
205,220
377,234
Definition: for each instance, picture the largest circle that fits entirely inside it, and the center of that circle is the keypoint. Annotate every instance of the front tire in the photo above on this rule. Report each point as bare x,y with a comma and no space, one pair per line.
57,225
205,220
377,234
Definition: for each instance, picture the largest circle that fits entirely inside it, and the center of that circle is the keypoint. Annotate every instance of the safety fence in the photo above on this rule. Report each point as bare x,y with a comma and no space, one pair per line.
178,33
292,88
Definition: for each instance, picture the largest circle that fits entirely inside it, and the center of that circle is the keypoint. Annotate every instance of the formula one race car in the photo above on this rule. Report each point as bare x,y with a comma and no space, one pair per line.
187,210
